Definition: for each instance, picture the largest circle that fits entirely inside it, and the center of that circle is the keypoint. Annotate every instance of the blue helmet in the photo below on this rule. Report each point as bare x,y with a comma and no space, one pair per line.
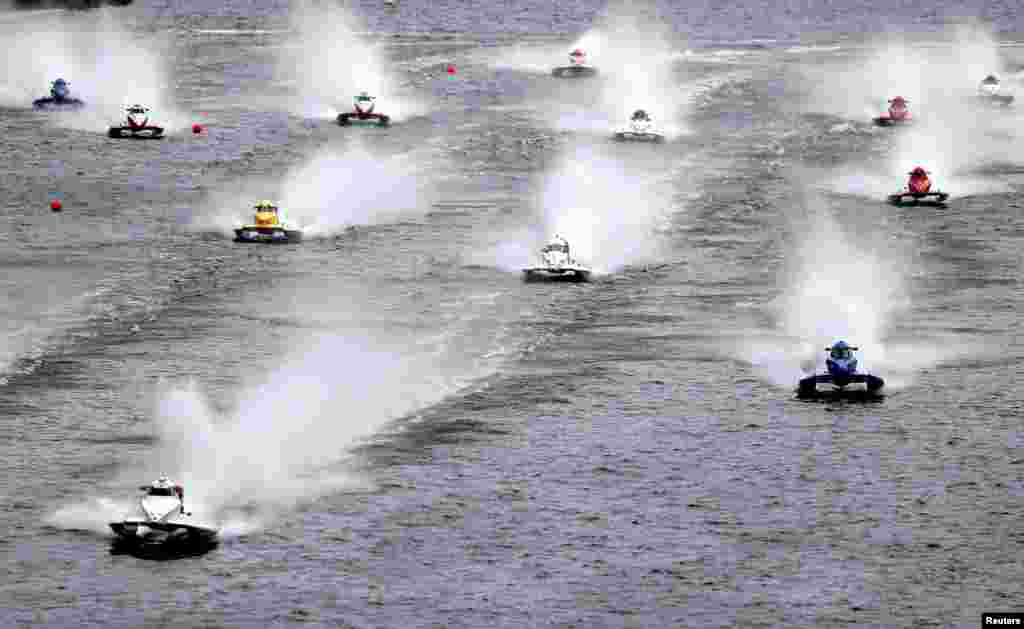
840,349
59,88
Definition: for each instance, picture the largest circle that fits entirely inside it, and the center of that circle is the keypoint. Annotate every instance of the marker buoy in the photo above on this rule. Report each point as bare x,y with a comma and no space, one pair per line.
451,70
56,206
197,128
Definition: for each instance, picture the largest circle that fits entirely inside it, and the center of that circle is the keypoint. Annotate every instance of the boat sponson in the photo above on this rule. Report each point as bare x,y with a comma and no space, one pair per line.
546,274
272,235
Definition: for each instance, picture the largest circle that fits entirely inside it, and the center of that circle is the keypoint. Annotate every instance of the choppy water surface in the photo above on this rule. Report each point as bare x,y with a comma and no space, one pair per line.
394,431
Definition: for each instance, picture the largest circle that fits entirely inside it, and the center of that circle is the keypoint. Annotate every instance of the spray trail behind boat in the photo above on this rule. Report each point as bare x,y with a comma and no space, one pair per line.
328,194
106,67
844,284
329,63
608,213
952,135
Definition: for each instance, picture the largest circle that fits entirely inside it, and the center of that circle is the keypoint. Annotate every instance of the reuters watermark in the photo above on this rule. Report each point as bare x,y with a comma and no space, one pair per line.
1002,619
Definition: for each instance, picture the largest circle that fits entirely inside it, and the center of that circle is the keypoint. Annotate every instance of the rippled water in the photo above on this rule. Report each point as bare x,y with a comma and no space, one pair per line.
393,430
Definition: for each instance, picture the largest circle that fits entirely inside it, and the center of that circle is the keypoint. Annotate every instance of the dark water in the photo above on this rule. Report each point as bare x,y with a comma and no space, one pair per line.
394,431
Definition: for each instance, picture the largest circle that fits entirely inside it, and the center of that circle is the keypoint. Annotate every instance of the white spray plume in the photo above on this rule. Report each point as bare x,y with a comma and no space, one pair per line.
608,215
849,286
952,135
336,191
835,290
329,63
331,192
287,438
636,61
840,290
105,66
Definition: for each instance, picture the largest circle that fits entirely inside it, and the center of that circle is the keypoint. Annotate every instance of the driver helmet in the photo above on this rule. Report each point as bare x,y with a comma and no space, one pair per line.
840,350
364,95
576,53
59,87
265,205
991,80
918,172
639,114
899,100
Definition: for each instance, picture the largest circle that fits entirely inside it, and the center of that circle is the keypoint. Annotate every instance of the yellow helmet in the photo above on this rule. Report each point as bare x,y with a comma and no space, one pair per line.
264,205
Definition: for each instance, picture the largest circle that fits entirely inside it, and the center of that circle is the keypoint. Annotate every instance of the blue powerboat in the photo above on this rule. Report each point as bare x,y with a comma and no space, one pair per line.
841,366
60,97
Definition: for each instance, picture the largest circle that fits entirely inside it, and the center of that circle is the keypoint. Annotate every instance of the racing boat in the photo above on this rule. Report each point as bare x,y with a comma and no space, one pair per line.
897,115
990,93
841,372
919,191
577,67
557,265
639,129
267,227
362,112
136,125
59,98
162,517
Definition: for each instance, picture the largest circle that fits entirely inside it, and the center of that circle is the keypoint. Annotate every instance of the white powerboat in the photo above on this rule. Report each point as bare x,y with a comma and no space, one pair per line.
577,68
162,517
990,93
640,129
557,265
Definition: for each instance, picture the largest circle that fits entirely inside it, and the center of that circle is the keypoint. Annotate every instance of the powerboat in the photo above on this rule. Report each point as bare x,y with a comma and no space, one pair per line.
919,191
640,129
841,372
897,115
162,517
268,227
363,113
990,93
136,125
60,97
557,264
577,68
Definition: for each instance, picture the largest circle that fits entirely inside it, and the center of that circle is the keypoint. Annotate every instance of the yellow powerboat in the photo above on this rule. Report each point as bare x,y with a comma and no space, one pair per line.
267,227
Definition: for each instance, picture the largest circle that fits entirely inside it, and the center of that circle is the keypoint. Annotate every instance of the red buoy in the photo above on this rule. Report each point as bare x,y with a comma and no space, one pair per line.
197,128
451,69
56,206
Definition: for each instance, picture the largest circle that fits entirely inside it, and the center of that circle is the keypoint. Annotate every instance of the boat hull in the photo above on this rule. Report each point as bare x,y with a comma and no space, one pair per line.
934,199
148,531
50,103
808,386
887,121
634,136
267,235
549,274
141,133
366,120
996,100
573,72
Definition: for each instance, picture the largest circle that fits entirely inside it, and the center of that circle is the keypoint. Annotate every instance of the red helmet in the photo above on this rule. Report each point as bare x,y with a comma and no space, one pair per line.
918,171
899,100
576,53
